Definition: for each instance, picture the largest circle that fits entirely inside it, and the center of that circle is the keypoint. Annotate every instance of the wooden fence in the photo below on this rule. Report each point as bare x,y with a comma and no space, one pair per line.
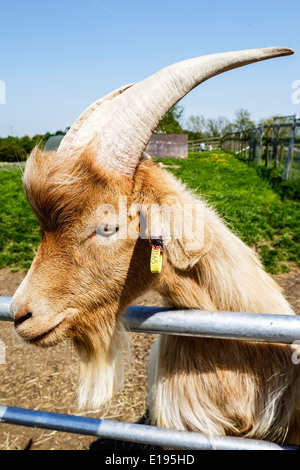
276,145
210,143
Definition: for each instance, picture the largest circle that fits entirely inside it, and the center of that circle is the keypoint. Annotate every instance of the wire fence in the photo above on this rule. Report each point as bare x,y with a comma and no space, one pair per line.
275,145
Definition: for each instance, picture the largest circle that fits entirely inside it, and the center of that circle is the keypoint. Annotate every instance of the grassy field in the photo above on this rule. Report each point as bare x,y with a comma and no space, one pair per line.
19,229
248,203
245,200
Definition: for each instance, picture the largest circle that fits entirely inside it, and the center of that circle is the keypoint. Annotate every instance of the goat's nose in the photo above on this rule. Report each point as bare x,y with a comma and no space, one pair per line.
22,315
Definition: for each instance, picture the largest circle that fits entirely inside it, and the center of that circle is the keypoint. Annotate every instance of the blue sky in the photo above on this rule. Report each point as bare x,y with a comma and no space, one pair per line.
58,57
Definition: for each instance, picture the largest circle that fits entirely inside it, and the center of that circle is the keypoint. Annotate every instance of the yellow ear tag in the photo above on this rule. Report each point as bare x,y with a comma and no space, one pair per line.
156,259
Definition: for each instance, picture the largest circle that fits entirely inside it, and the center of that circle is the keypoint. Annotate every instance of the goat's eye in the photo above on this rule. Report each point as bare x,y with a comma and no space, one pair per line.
106,230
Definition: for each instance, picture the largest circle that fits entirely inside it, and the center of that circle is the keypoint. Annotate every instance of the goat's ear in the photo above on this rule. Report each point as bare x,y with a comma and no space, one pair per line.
185,232
184,255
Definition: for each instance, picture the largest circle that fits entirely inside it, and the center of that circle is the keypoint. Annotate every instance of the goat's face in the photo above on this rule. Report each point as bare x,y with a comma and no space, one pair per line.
94,258
81,277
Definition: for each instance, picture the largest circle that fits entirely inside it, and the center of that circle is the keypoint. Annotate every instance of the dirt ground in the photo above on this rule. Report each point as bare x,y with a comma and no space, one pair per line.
47,379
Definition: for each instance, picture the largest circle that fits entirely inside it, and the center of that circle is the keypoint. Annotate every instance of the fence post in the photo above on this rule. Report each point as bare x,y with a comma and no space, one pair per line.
254,144
274,145
257,146
288,158
278,146
251,143
267,150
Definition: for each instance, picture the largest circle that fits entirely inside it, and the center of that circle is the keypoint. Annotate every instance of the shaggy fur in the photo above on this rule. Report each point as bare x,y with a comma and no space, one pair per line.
79,288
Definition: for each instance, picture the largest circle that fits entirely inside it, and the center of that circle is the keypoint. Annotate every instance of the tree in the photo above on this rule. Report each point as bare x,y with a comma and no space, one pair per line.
196,126
26,143
218,127
242,121
12,153
170,123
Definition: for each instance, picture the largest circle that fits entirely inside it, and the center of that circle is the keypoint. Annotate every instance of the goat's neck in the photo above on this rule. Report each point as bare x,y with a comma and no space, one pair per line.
229,277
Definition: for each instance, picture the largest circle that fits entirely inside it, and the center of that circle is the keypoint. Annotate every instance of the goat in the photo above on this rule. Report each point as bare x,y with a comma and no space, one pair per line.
87,269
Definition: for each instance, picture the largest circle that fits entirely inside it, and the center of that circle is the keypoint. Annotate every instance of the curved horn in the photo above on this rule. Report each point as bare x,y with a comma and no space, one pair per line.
125,122
83,129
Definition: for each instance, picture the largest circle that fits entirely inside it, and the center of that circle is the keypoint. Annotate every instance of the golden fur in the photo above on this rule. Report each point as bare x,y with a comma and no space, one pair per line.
77,288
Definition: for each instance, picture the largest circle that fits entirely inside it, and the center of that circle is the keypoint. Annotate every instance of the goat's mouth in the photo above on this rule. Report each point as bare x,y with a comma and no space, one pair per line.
49,337
44,338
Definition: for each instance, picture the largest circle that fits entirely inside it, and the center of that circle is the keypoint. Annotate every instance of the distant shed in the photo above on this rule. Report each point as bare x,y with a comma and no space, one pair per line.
160,145
53,142
168,146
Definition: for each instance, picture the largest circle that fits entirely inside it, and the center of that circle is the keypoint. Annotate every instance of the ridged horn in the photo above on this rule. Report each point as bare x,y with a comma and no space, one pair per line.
86,126
125,120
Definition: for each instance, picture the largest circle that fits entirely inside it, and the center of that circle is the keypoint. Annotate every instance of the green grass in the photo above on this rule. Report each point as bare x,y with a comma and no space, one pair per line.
19,229
247,201
249,204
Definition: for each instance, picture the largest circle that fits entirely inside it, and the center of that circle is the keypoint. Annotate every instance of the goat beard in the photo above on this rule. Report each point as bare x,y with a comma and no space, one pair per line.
102,350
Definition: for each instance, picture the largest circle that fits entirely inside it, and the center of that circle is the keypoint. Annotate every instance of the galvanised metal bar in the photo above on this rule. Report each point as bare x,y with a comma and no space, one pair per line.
4,308
227,325
131,432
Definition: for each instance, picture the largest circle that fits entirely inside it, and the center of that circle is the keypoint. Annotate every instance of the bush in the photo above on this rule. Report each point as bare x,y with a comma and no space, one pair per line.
12,153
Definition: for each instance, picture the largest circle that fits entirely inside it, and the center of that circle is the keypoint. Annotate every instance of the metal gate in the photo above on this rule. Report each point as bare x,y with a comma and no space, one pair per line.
227,325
